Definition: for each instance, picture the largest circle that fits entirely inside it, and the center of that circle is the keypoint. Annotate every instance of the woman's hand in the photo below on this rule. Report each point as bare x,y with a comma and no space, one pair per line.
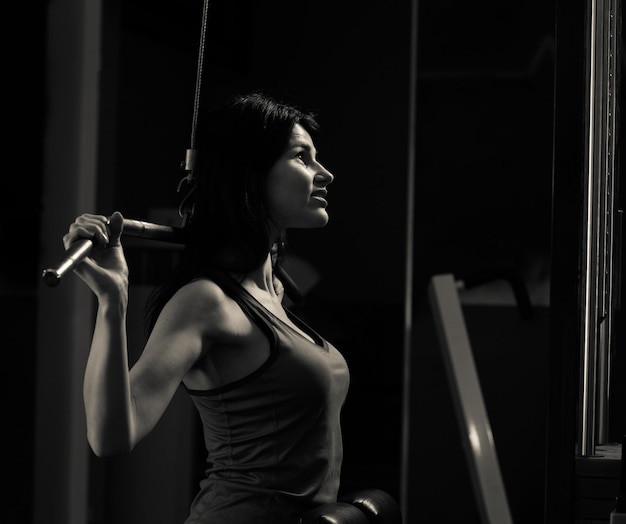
105,270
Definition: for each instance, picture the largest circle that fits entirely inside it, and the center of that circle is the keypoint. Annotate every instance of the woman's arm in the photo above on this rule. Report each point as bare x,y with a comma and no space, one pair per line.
123,405
106,387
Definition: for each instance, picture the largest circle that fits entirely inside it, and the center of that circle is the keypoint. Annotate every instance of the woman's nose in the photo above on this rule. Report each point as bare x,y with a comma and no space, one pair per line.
323,176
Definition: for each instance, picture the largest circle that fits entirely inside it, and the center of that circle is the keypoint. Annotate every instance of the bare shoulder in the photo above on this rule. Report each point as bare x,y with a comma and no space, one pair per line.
204,304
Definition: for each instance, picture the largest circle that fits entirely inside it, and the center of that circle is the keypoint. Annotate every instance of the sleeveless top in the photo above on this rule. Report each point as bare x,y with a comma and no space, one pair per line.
273,437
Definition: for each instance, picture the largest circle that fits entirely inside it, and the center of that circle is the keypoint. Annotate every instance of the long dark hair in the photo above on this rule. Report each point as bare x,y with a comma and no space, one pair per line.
238,143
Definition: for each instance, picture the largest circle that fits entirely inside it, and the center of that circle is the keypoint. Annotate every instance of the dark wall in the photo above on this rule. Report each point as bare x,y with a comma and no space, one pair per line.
25,108
484,146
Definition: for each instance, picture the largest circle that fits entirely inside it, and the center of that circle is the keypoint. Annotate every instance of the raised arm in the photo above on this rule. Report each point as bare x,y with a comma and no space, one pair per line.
122,405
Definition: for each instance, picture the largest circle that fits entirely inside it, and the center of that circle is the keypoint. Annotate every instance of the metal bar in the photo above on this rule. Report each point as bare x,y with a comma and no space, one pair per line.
408,284
480,450
597,256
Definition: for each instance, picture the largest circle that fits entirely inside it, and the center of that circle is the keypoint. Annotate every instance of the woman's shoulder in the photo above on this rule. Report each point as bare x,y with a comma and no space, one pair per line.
200,295
203,301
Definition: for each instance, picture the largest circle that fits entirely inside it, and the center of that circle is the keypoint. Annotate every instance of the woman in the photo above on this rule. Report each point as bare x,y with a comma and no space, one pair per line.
268,388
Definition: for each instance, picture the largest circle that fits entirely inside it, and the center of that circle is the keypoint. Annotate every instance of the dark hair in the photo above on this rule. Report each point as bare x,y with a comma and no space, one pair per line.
238,142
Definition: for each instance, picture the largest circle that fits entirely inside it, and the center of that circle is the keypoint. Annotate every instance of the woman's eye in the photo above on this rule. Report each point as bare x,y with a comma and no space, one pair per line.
302,157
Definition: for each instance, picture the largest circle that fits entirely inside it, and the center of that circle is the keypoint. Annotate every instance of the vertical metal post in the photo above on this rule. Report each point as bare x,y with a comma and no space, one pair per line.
65,317
598,250
408,285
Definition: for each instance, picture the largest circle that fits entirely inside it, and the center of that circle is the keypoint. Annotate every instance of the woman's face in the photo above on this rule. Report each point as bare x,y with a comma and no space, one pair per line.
296,185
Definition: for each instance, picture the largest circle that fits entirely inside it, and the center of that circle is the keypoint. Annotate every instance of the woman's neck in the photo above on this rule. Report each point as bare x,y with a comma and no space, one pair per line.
261,279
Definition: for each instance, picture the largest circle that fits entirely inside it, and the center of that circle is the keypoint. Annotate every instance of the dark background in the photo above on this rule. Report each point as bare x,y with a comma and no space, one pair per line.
483,192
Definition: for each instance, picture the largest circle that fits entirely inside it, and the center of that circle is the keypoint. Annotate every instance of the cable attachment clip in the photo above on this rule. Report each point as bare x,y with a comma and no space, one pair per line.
187,206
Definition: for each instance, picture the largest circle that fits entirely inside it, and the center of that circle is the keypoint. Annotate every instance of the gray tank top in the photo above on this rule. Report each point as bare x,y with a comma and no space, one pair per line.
273,437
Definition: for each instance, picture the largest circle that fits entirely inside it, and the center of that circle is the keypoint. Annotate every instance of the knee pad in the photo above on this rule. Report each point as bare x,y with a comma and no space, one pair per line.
334,513
377,505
